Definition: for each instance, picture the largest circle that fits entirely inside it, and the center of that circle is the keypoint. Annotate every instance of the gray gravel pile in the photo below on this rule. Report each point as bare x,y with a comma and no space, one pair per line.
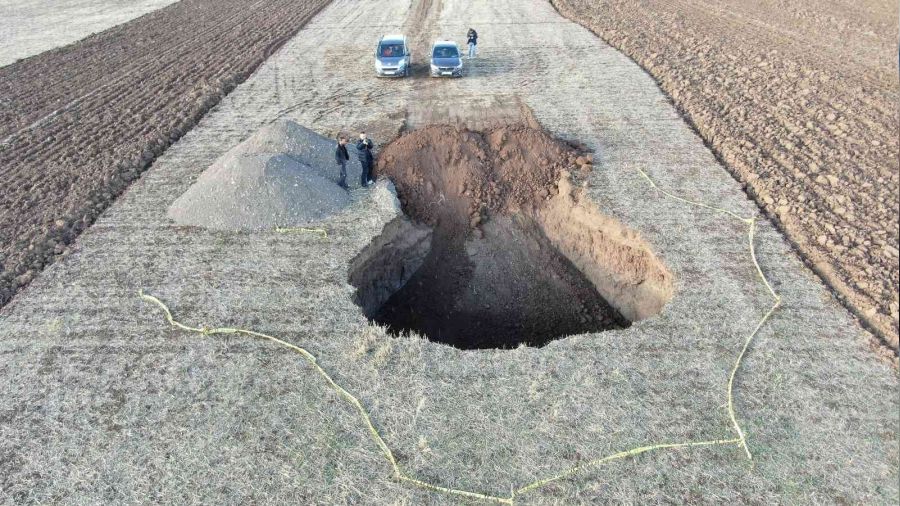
283,175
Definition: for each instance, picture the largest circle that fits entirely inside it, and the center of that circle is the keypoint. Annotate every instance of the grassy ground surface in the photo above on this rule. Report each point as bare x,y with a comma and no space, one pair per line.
104,402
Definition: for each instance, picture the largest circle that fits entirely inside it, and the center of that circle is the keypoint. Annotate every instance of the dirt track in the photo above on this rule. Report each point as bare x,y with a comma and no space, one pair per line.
801,101
79,124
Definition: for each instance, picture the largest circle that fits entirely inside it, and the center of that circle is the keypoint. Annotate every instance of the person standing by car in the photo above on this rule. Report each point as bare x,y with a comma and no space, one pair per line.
342,157
364,151
472,40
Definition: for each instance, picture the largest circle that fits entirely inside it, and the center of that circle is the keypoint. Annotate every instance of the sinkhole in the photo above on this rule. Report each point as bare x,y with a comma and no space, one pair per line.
498,248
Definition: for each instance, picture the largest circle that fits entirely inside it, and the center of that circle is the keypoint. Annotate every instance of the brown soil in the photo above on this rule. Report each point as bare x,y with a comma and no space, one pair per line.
490,274
449,174
78,124
800,101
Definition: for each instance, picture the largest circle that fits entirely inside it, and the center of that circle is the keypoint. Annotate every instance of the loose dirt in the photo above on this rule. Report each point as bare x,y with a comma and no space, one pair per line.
284,175
79,124
800,100
492,275
446,174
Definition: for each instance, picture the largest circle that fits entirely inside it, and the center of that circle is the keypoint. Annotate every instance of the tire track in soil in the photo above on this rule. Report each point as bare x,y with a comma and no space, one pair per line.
81,123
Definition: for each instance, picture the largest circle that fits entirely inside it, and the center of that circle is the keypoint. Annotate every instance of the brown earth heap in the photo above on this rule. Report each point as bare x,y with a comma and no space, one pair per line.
514,256
80,123
800,100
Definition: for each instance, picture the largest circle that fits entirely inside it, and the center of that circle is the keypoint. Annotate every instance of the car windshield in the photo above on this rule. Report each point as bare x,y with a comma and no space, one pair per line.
446,52
391,50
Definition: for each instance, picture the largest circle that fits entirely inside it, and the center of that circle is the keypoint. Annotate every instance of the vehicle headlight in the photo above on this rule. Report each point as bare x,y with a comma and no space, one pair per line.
402,63
378,64
458,66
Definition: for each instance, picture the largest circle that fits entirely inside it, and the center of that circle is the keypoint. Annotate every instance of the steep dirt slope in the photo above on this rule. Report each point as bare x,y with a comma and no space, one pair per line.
30,27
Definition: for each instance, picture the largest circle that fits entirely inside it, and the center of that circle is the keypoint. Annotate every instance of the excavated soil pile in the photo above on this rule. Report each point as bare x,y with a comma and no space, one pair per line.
283,175
477,267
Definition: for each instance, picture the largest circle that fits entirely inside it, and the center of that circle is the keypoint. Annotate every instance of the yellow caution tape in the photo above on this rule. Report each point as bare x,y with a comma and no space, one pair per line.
398,473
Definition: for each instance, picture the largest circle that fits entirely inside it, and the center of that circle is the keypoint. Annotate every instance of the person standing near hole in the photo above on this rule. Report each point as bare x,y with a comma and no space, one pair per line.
364,151
472,40
341,156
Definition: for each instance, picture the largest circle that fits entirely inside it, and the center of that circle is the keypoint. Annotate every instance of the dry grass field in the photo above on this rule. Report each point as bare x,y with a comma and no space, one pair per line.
644,255
30,28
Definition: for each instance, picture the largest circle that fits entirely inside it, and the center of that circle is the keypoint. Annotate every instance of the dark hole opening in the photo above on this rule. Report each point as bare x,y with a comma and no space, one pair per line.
476,262
508,287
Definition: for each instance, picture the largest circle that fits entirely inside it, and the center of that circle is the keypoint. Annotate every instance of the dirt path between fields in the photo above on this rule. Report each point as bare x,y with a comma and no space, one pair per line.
801,101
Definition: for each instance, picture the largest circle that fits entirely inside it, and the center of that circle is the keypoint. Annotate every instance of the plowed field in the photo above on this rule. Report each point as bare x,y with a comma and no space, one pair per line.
800,100
78,124
30,27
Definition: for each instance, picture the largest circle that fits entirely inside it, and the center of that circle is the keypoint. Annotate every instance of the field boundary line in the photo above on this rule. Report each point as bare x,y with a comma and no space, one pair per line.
397,472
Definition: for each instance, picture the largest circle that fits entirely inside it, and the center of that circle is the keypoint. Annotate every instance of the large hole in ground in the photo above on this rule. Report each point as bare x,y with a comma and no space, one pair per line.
498,248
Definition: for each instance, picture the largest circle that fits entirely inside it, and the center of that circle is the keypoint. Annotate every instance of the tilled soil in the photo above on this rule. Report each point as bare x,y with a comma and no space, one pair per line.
77,125
30,27
800,100
492,277
104,402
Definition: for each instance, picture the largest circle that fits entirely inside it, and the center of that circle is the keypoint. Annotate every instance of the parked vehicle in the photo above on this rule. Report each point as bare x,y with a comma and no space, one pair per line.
392,56
446,59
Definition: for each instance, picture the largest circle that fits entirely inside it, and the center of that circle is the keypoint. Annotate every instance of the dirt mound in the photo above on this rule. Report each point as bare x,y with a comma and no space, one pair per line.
277,177
499,171
493,275
286,137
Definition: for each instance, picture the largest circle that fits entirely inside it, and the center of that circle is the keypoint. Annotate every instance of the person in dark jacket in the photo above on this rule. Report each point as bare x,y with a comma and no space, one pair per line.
342,157
364,151
472,40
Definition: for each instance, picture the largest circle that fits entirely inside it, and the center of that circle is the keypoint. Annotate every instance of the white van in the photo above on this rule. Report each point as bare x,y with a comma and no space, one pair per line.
392,57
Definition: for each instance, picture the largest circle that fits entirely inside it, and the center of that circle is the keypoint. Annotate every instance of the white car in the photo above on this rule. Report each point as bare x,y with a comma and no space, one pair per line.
446,59
392,56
